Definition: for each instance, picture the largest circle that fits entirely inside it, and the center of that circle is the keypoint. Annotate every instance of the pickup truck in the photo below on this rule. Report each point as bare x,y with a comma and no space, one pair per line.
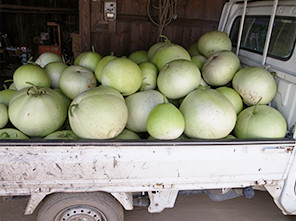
97,179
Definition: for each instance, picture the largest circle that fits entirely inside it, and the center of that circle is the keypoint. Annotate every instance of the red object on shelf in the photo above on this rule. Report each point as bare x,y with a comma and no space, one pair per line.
50,48
56,47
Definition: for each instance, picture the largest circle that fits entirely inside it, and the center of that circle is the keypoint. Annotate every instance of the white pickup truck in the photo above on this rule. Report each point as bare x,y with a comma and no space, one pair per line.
95,179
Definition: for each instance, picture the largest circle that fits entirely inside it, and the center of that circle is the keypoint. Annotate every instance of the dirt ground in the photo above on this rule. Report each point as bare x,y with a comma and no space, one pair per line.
197,207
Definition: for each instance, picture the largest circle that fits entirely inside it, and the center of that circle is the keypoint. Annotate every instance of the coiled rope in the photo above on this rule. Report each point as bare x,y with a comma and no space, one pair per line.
162,14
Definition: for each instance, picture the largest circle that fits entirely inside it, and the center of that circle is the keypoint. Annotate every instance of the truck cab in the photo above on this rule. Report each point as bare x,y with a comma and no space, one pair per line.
263,34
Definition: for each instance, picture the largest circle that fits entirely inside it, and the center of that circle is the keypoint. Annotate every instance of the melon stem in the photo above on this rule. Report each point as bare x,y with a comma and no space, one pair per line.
256,105
71,107
36,91
166,40
30,61
5,134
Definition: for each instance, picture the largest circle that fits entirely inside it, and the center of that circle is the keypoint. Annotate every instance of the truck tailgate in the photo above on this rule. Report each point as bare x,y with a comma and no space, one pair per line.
45,167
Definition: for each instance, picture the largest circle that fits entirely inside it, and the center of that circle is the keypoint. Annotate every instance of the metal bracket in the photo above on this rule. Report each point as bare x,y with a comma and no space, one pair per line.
126,199
159,200
34,201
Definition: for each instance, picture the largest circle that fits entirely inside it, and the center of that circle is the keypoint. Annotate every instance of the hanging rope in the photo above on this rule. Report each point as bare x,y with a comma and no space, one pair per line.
165,10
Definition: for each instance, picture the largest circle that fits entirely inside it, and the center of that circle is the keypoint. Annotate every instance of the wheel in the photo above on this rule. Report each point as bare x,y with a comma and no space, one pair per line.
96,206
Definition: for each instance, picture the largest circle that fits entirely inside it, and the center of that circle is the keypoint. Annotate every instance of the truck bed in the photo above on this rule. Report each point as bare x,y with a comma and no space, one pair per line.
39,168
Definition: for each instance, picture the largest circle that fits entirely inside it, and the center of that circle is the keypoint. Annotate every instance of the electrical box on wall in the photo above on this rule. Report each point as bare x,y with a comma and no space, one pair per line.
109,10
103,15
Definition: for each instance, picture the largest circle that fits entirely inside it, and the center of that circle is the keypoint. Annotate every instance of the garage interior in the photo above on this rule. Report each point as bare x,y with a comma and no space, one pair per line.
69,27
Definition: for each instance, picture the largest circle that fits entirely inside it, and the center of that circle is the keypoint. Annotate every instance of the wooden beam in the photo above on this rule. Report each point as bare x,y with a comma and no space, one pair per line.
182,21
84,24
35,9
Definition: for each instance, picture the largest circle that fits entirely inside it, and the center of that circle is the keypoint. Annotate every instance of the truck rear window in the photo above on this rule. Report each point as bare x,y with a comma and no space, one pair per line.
282,40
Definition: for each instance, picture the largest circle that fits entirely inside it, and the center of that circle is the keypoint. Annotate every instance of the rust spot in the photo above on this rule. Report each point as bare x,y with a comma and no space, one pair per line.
260,183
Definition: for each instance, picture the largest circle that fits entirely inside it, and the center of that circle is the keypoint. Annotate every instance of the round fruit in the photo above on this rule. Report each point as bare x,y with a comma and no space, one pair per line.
193,50
97,116
37,111
101,64
123,75
219,69
28,74
254,84
208,114
62,134
153,49
3,115
11,133
165,122
260,121
178,78
169,52
139,56
48,57
88,60
127,134
139,107
199,61
212,42
233,97
5,95
149,73
54,71
76,79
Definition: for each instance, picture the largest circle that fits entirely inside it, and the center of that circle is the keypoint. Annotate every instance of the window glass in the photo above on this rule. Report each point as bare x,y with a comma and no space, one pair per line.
282,40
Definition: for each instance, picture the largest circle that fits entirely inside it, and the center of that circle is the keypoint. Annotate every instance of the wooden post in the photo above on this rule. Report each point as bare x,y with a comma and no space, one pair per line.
84,24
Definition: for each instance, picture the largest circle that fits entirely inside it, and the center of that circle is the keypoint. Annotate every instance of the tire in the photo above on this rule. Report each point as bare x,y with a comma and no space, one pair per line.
96,206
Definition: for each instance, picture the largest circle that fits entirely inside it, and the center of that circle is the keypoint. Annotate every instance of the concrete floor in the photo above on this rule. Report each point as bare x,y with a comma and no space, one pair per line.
187,208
